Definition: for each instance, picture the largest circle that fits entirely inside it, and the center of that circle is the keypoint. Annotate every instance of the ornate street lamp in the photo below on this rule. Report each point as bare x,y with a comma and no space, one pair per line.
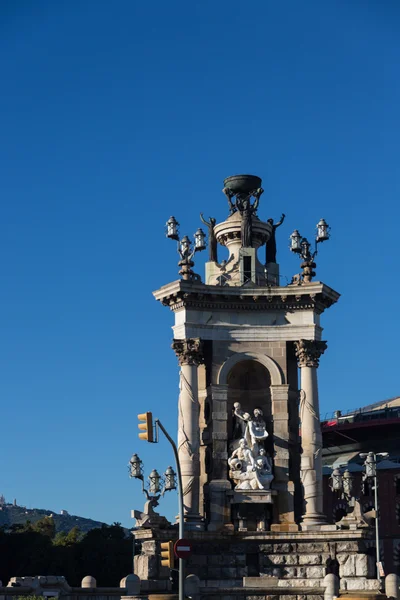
301,246
135,467
370,473
157,485
154,482
322,231
336,481
186,250
172,229
170,480
199,240
295,242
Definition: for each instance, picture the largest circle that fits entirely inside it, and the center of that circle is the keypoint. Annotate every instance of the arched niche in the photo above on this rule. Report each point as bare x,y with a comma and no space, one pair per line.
249,383
275,372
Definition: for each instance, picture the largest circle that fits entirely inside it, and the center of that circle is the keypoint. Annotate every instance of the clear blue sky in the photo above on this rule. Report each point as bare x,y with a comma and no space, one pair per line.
116,115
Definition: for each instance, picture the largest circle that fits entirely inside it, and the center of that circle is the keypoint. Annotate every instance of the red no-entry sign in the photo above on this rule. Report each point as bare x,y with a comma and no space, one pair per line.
183,548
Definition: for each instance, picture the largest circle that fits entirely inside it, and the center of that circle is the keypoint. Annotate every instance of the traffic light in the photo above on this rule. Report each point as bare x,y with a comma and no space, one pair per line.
167,554
146,427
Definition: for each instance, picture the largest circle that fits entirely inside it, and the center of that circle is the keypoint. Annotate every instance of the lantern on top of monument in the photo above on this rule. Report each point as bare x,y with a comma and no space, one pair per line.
295,242
336,480
348,483
322,231
170,480
135,467
154,479
172,229
199,240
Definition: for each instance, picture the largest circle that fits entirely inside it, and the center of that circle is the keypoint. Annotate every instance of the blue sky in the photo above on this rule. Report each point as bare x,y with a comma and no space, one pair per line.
117,115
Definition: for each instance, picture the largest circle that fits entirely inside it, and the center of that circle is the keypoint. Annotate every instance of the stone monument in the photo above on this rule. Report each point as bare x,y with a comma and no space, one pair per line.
249,434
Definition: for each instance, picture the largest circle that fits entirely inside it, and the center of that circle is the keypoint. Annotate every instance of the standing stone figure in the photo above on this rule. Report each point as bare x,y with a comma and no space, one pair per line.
246,211
212,239
271,244
241,419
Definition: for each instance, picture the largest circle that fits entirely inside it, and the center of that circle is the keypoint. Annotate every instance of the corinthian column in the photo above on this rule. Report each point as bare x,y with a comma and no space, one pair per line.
189,353
308,353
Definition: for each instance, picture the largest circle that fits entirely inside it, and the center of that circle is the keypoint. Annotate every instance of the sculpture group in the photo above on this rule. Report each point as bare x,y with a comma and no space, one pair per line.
250,465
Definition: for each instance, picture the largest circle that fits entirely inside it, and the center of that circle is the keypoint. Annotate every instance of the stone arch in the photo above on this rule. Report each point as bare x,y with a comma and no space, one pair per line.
276,374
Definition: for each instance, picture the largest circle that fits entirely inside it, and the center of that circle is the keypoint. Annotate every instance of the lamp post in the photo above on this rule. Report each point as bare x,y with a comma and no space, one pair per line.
157,484
170,481
186,248
301,246
370,465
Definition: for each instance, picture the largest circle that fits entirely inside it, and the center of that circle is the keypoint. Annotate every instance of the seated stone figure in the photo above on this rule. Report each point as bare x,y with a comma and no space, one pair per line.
242,458
263,472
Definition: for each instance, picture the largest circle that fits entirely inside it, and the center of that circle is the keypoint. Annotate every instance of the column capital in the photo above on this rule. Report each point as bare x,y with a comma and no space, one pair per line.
308,352
188,351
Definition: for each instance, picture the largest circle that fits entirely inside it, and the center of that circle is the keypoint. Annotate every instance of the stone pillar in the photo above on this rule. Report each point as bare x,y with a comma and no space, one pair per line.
189,353
281,483
308,353
219,487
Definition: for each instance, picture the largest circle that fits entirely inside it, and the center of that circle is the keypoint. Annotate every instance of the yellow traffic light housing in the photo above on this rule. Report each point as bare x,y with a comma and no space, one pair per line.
167,554
146,427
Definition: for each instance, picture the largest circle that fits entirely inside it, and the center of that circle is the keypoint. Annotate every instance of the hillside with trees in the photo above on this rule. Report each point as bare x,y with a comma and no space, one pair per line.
32,549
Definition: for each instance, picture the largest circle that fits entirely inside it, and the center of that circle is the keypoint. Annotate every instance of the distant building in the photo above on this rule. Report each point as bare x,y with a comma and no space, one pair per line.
374,428
65,513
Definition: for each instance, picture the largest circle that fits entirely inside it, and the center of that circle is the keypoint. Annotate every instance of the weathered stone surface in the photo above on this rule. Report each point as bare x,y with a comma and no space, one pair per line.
240,560
284,548
214,559
228,572
313,547
290,572
310,559
241,571
259,582
291,559
146,567
347,565
271,572
359,583
266,548
361,565
286,583
276,559
314,572
347,547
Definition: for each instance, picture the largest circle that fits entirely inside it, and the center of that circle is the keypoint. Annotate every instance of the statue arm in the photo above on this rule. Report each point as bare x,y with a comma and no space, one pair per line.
280,222
204,221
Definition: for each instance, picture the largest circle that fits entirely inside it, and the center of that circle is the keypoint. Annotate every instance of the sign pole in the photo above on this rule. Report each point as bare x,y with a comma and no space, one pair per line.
180,498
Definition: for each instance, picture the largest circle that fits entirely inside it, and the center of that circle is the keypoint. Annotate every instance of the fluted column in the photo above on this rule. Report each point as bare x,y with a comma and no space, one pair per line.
189,353
308,353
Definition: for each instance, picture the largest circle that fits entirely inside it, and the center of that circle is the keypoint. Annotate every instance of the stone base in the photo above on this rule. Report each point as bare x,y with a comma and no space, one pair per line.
227,560
284,527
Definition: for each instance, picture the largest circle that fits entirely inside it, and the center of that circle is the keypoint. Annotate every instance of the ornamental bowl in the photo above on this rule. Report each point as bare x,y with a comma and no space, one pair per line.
242,184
